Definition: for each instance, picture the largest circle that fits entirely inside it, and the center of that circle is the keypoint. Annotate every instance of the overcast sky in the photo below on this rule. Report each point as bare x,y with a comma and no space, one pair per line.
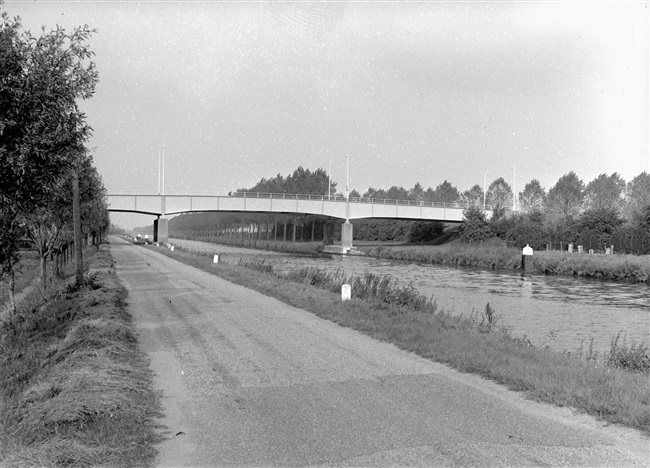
410,91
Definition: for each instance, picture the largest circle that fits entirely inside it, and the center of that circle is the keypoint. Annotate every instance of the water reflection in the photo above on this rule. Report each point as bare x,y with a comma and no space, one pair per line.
561,312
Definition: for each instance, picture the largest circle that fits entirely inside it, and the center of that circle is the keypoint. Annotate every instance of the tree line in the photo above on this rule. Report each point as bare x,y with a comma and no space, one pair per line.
606,211
595,213
47,177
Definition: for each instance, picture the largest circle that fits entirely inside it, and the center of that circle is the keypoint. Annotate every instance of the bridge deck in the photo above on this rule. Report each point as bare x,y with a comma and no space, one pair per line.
333,207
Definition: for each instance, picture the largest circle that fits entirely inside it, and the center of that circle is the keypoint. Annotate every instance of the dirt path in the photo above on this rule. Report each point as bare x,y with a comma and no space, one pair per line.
248,380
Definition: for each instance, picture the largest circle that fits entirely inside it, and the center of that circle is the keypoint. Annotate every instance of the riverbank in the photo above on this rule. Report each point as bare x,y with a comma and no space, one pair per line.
610,267
489,255
470,344
74,389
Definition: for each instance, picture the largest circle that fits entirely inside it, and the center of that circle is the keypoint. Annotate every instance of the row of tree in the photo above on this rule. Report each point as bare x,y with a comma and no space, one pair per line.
570,196
49,188
598,212
604,212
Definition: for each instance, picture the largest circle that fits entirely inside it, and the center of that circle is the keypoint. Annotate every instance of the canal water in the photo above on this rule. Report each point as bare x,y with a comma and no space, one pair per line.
562,312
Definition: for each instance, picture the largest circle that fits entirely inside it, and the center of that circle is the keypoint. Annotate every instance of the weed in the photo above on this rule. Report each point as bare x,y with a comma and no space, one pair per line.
489,319
633,358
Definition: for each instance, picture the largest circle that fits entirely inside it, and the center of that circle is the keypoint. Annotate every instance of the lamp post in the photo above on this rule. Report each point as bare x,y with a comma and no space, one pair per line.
329,181
163,170
158,171
514,189
347,179
484,187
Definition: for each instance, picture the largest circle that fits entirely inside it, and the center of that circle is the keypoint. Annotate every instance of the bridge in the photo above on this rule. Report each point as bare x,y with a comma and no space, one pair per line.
335,207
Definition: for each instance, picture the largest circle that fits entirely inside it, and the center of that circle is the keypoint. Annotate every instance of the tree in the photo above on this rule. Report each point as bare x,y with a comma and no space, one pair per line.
605,193
445,193
416,193
397,193
425,231
375,193
472,197
42,130
566,196
50,225
637,195
528,229
474,227
41,125
601,222
499,195
533,197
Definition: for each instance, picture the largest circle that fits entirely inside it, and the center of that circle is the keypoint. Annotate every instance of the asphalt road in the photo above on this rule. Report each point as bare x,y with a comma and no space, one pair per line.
248,380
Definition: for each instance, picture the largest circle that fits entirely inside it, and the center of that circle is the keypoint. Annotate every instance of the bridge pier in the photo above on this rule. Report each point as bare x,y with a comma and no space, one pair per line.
161,230
346,236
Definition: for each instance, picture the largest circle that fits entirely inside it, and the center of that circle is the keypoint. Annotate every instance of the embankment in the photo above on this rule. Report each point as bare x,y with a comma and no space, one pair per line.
74,389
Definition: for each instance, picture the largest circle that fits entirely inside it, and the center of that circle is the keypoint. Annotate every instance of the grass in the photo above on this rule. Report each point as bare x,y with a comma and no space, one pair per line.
27,270
74,389
471,343
298,247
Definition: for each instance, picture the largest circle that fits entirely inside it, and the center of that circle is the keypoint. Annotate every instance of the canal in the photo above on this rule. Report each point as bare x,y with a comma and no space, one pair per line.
563,312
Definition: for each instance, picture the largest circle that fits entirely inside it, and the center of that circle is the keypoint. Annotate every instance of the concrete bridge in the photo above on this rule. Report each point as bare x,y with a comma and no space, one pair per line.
335,207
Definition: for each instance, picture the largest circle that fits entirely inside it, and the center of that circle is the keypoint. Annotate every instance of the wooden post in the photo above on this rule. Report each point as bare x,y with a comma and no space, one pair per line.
76,216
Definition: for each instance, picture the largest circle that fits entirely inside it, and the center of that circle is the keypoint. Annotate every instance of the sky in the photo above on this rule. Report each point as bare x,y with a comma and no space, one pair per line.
427,91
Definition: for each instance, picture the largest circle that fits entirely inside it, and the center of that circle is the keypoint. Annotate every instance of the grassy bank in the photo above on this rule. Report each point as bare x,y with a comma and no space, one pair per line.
471,344
74,389
27,270
302,248
613,267
493,256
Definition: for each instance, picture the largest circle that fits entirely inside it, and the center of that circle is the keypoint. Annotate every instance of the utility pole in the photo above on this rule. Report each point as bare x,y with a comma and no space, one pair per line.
163,170
484,187
76,218
329,181
347,179
514,189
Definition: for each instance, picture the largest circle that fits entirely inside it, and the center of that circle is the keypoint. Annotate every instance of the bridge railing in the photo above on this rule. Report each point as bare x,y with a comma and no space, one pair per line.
341,198
300,196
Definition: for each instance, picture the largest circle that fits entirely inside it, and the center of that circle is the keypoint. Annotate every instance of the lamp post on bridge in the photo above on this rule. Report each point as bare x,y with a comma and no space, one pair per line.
484,187
514,189
347,178
329,181
161,182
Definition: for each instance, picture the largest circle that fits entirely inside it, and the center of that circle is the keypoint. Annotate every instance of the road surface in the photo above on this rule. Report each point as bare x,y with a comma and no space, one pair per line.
248,380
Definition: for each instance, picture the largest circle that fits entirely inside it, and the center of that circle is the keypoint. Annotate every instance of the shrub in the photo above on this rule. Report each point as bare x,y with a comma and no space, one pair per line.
634,358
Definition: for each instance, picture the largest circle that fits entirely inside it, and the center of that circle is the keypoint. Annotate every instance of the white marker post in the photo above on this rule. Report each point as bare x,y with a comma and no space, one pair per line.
346,292
526,259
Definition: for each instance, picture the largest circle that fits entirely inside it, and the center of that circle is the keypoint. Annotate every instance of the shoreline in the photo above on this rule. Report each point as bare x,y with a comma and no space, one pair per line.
626,268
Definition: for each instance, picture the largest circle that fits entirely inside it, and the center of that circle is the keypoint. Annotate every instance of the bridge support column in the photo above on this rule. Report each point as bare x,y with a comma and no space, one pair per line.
161,230
346,236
